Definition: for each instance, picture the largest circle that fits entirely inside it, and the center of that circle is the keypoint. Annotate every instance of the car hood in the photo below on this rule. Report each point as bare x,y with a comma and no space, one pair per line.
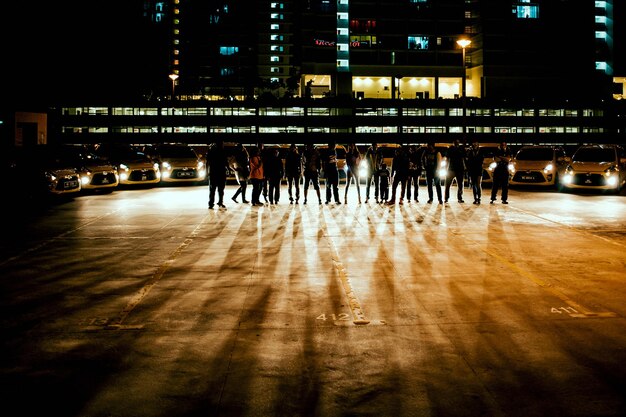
191,162
591,166
99,166
61,172
522,165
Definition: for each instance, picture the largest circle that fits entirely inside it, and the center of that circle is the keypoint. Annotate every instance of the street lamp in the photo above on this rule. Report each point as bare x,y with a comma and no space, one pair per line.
464,43
174,77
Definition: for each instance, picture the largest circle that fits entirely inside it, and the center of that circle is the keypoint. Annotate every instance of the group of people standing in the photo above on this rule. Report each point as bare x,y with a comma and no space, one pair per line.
264,169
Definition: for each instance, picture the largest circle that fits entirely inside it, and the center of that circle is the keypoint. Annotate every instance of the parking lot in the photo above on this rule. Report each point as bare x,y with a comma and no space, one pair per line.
144,303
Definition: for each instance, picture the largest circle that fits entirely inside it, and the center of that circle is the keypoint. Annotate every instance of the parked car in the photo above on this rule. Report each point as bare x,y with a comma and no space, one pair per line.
96,174
134,167
596,167
180,163
40,172
540,165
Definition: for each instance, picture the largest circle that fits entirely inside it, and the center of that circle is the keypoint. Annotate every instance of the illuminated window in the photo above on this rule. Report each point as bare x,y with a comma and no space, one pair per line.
276,48
600,34
418,42
600,19
601,65
229,50
277,37
227,71
278,16
274,26
277,5
524,9
275,58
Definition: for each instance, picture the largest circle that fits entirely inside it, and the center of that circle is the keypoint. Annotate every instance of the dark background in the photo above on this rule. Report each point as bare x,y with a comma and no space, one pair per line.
73,50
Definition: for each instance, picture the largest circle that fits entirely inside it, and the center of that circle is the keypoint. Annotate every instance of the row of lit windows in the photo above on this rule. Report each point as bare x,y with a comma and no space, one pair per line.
300,111
321,129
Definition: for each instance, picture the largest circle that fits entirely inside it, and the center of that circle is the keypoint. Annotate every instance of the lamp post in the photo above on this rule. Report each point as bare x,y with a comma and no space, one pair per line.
464,43
173,77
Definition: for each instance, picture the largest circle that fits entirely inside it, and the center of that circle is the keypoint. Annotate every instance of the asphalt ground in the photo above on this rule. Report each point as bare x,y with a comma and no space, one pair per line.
146,303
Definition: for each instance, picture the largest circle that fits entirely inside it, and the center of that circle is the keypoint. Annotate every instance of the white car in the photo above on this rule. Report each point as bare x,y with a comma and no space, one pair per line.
596,167
540,165
180,163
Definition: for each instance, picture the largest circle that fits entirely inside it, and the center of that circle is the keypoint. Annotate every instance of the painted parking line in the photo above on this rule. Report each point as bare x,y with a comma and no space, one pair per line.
117,322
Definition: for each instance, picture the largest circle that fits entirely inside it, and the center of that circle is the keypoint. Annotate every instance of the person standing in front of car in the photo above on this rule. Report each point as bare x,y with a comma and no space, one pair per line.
242,172
217,163
475,160
331,173
293,171
312,165
415,171
257,176
502,157
374,159
353,159
456,170
273,169
399,173
432,162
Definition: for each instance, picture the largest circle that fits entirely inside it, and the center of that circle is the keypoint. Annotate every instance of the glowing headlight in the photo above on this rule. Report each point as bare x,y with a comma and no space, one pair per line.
85,179
511,168
548,168
567,178
442,172
200,164
363,168
156,167
166,165
492,166
124,167
612,181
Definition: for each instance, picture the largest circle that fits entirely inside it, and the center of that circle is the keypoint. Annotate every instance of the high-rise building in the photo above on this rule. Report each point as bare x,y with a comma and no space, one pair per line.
520,49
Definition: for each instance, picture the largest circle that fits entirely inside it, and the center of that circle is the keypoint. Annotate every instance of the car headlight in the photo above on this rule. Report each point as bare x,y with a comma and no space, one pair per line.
363,168
443,172
548,168
156,166
200,164
492,166
124,167
166,165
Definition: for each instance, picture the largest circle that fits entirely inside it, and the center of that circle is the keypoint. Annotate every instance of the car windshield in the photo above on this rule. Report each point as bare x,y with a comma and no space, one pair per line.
534,154
176,152
489,151
594,155
388,152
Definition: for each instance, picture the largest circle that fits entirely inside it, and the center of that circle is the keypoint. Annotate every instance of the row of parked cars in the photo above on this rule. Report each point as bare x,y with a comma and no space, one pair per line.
65,170
70,169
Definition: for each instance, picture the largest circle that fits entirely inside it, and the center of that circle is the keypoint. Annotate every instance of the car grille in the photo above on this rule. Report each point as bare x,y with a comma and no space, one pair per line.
184,173
596,180
529,177
103,179
143,175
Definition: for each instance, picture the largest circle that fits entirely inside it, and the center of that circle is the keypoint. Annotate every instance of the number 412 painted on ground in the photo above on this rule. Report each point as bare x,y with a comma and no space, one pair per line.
335,317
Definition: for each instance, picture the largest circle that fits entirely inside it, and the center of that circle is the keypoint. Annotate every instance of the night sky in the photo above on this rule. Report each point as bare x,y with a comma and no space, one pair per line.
72,50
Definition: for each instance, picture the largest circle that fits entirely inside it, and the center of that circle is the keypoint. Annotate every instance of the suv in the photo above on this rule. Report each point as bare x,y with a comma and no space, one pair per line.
541,165
596,167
